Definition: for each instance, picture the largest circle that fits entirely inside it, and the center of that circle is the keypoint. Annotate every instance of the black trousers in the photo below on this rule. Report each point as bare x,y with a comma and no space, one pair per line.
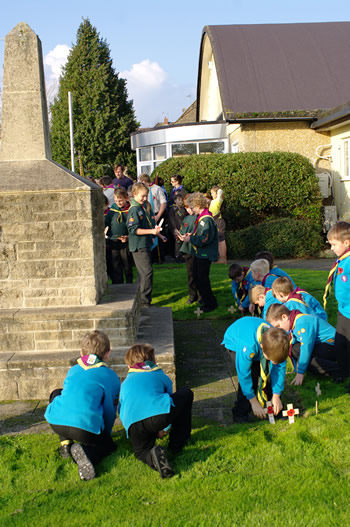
143,262
201,272
143,434
342,344
96,446
119,263
323,359
242,406
192,290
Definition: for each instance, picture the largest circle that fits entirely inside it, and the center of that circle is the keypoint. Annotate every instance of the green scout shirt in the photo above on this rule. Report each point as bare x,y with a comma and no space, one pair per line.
205,241
115,220
138,218
187,226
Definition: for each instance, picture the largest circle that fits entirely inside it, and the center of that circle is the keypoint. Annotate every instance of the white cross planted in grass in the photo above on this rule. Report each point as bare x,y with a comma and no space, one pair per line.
198,312
269,411
318,393
232,309
290,412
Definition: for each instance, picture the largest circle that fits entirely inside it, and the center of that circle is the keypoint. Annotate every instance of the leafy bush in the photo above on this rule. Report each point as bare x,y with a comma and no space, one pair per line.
258,186
285,238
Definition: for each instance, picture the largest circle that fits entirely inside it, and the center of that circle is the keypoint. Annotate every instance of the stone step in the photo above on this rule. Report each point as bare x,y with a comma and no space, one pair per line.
33,375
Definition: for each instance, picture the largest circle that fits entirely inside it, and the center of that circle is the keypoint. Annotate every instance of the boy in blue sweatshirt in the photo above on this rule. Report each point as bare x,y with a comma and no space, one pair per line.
242,281
148,409
260,359
263,298
339,238
296,298
85,409
311,342
277,271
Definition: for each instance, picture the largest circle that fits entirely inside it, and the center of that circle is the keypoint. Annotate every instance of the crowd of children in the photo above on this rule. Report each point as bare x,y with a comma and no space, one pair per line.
281,320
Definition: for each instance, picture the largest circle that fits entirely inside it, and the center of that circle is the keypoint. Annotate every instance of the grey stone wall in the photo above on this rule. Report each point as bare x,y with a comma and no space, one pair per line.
52,248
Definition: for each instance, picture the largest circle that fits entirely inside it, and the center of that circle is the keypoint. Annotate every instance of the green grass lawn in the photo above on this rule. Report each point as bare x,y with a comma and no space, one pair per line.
238,475
170,289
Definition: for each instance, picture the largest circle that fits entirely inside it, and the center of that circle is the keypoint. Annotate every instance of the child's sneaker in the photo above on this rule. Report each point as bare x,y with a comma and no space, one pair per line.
85,467
161,462
64,449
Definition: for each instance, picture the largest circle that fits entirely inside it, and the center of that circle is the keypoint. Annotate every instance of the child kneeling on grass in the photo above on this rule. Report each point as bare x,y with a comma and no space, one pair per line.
260,357
311,342
85,409
148,408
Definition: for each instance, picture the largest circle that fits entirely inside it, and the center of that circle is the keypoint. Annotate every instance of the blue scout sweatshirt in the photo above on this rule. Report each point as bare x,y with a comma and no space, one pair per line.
269,300
244,337
88,399
246,284
145,392
309,330
277,271
341,279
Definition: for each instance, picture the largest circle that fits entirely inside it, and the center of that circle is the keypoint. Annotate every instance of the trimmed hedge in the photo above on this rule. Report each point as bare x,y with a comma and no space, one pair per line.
285,238
258,186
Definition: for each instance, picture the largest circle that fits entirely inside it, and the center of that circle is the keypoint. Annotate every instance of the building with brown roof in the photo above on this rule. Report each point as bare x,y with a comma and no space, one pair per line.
269,88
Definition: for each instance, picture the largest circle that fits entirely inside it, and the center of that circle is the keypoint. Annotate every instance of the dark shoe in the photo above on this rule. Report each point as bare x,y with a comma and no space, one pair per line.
191,300
161,462
85,467
64,450
200,302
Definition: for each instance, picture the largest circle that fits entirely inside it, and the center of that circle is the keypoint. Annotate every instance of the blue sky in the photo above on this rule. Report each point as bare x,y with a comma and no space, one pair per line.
154,44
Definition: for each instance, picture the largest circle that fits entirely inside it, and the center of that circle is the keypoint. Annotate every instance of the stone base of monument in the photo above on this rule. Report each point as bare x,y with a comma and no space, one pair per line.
38,346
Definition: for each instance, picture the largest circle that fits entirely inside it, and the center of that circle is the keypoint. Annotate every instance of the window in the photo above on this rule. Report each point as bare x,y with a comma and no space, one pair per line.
216,147
183,149
160,152
145,154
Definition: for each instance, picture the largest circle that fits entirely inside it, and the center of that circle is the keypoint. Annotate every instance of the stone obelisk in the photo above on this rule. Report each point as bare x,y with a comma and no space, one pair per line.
51,220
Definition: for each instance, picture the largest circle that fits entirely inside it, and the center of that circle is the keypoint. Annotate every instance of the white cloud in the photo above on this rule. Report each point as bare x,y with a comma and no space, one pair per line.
155,96
53,63
147,74
55,59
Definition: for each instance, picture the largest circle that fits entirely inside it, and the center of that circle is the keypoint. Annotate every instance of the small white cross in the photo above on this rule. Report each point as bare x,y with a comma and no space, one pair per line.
269,411
232,310
290,412
198,312
318,390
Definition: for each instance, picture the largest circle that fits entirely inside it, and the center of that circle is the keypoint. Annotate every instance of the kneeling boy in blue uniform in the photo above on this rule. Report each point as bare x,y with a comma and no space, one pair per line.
148,408
85,409
242,281
311,339
296,298
261,354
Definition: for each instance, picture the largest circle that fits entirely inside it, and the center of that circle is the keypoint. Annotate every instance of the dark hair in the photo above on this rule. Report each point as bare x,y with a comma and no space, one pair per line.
158,181
117,166
106,180
177,178
235,270
265,255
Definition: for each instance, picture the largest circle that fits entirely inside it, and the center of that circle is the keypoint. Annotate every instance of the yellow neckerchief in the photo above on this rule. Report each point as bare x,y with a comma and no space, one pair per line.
264,371
85,367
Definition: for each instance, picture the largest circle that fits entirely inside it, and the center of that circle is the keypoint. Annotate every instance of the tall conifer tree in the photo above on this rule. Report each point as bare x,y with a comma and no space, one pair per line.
103,115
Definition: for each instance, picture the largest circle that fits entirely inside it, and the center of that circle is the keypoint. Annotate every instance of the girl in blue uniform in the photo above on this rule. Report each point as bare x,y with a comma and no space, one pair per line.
148,409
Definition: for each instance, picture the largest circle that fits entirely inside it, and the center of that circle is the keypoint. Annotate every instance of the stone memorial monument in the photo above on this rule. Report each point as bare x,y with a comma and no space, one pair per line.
52,247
